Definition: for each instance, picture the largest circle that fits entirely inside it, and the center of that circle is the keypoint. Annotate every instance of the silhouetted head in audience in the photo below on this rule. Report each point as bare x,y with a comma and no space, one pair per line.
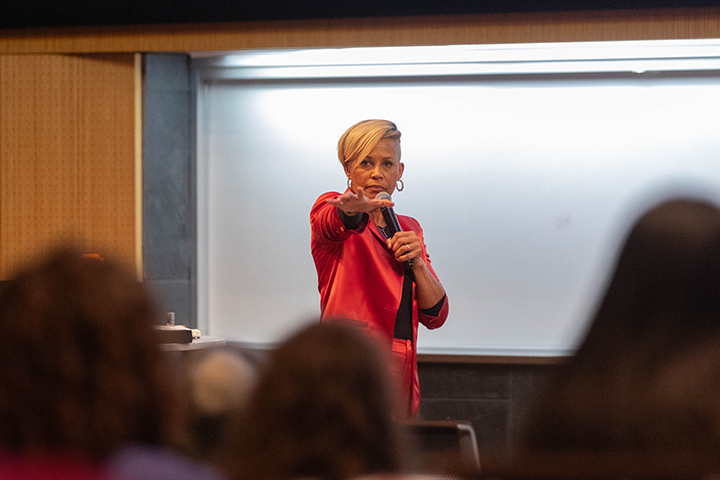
647,375
82,372
220,383
323,407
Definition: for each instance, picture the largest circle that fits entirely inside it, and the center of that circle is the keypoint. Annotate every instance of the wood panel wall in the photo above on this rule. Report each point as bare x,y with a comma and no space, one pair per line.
67,155
677,23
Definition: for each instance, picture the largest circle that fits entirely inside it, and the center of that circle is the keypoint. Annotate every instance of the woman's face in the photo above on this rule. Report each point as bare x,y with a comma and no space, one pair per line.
380,170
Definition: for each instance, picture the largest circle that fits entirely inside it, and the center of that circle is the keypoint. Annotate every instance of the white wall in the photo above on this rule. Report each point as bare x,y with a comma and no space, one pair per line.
524,185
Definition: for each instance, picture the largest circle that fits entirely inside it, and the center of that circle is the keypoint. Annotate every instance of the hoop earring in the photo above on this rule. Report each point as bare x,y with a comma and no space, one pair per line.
400,187
349,183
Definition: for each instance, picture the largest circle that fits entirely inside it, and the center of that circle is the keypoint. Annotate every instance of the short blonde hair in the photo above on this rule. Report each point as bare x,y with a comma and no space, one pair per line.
359,140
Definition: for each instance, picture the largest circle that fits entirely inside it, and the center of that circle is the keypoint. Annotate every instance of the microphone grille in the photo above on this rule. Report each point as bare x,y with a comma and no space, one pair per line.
382,195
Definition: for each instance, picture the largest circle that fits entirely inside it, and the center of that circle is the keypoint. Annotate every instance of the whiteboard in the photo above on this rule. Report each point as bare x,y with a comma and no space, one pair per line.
524,184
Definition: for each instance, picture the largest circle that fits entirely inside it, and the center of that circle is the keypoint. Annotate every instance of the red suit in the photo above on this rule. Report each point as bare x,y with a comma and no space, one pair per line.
359,279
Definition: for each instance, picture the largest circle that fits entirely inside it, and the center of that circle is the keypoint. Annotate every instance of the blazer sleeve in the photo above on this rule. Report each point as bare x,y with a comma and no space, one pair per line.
431,321
326,224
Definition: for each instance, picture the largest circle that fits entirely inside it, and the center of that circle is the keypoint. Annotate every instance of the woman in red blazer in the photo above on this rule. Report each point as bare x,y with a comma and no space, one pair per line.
381,282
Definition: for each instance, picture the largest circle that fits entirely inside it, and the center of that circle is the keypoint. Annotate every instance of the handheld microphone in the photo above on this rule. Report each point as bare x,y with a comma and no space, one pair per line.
391,222
389,215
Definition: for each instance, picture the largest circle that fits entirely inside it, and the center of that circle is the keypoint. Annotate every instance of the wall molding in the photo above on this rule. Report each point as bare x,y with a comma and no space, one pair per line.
653,24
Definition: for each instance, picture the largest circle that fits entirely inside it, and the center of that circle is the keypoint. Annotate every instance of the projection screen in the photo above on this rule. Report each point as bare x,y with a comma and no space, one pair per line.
524,164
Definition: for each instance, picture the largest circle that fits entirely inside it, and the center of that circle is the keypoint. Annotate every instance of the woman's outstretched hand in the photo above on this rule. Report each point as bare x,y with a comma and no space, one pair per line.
356,202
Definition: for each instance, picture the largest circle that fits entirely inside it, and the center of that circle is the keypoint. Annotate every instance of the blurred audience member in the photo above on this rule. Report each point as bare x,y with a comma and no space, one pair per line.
322,408
83,378
646,378
219,385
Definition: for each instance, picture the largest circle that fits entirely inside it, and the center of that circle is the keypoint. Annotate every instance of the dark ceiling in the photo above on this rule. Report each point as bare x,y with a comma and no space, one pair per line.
49,13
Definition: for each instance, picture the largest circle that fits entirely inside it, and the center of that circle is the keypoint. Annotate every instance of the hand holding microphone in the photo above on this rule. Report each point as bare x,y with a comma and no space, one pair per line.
402,245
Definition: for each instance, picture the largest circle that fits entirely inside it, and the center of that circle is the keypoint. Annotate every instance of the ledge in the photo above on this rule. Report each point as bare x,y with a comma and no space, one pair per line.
491,359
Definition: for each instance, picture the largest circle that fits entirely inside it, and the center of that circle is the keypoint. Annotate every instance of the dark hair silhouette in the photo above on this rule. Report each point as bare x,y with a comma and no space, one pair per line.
82,372
647,375
323,407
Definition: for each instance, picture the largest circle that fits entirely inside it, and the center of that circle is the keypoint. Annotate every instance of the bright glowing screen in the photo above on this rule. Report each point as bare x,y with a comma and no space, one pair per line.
524,185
